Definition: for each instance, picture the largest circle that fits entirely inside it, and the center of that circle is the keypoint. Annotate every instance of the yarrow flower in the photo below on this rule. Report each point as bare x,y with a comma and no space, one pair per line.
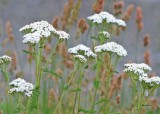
80,58
95,19
138,69
21,86
82,50
40,30
62,35
105,17
104,33
150,82
141,66
111,47
5,60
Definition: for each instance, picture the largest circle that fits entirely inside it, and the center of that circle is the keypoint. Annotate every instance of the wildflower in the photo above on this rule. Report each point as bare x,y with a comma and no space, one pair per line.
111,47
141,66
95,19
21,86
105,34
120,22
80,58
42,26
82,50
150,82
62,35
105,17
34,32
5,60
32,38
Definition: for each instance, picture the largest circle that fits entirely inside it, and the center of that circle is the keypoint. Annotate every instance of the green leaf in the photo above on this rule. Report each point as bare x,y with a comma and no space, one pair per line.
96,84
27,52
116,72
52,72
87,111
100,101
76,90
34,100
93,37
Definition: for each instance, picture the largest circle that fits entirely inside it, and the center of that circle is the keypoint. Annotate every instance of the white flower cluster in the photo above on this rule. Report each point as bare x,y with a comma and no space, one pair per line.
5,59
104,33
141,66
81,58
153,81
111,47
41,29
140,70
82,52
21,86
62,35
106,17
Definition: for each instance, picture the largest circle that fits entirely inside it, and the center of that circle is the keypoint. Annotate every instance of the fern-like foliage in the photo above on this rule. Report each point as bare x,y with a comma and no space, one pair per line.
33,102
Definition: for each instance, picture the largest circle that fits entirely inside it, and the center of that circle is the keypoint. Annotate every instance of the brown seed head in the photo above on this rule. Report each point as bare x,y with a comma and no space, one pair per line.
146,40
82,25
154,103
118,99
98,6
147,57
128,13
55,22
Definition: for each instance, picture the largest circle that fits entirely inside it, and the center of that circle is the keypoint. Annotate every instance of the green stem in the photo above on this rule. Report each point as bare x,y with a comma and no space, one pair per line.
79,86
96,81
87,35
64,90
7,88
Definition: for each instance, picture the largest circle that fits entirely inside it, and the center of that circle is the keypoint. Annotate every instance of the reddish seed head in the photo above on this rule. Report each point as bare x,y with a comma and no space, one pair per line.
147,57
55,22
146,40
98,6
82,25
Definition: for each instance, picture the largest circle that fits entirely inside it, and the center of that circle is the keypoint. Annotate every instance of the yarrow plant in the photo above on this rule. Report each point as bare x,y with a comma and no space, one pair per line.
138,74
80,79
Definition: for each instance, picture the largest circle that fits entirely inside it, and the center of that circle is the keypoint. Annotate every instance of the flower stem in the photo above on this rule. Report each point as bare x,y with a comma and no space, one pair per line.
64,90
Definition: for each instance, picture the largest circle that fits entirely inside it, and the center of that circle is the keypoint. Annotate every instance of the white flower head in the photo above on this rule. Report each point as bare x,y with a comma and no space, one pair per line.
141,66
135,71
32,38
95,19
121,22
41,26
103,36
41,29
82,50
105,17
80,58
21,86
62,35
5,60
150,82
111,47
